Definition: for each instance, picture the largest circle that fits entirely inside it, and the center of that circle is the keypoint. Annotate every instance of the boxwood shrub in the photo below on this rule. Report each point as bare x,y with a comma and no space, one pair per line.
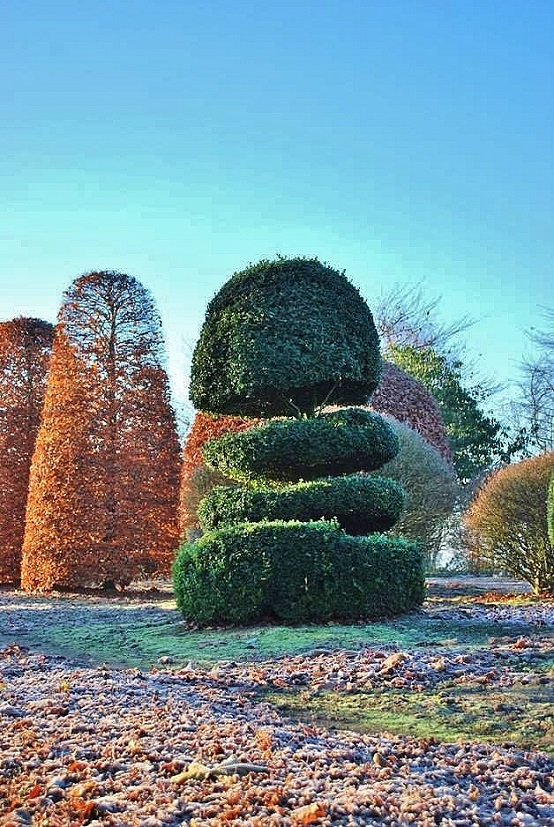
341,442
284,336
360,503
295,572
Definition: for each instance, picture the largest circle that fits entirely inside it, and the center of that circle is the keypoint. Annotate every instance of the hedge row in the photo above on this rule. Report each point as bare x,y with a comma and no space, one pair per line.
341,442
360,503
295,572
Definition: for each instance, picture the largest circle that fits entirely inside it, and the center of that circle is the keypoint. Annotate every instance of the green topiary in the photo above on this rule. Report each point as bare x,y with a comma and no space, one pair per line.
360,503
341,442
285,337
290,336
295,572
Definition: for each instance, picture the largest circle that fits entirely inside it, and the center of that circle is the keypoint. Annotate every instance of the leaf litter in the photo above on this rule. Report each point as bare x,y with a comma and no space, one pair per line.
198,744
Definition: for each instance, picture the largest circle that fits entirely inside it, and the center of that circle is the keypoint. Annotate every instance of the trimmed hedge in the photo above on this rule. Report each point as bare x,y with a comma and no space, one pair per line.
295,572
341,442
360,503
550,510
284,337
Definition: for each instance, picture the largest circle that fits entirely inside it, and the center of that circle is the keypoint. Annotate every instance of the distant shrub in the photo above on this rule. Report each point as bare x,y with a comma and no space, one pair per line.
295,572
341,442
430,485
284,337
407,400
360,503
508,523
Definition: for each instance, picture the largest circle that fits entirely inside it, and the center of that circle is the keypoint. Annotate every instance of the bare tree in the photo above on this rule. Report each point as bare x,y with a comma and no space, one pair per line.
534,409
404,316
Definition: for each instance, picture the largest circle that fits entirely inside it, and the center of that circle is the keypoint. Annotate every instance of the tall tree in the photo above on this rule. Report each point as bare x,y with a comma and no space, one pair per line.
534,409
25,346
104,489
477,439
414,338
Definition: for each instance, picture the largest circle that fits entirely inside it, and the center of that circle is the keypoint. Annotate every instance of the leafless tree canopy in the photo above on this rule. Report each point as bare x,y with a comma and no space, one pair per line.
405,316
535,407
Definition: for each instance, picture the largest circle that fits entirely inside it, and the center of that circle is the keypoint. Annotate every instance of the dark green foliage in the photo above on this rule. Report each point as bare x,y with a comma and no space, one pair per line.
285,337
477,440
341,442
360,503
295,572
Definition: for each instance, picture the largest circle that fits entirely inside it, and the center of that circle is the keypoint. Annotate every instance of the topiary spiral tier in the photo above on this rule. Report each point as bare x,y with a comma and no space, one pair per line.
286,543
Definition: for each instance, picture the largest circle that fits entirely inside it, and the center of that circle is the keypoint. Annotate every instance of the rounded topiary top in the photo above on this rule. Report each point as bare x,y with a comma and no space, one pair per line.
284,337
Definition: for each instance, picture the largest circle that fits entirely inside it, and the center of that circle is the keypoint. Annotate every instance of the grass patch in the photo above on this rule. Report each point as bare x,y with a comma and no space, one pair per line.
524,715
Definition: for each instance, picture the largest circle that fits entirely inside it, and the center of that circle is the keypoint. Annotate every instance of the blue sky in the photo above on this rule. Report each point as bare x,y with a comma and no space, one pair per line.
400,140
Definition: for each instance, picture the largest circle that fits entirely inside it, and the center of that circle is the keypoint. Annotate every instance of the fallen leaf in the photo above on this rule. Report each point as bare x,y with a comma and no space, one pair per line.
309,813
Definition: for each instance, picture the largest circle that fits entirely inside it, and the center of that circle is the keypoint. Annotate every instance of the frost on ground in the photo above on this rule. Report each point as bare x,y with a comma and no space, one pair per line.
85,744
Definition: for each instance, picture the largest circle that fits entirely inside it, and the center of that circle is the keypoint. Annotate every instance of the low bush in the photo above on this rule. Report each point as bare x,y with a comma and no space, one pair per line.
360,503
295,572
508,525
341,442
430,485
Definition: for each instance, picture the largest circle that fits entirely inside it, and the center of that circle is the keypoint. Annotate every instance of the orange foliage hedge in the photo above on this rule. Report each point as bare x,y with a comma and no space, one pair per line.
508,525
104,486
25,346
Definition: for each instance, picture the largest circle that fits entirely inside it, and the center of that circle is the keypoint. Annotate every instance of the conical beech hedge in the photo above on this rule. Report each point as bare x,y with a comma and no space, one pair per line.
25,346
104,487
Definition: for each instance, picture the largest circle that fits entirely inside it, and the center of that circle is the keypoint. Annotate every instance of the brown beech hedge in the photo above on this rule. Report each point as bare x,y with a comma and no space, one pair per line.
104,486
25,346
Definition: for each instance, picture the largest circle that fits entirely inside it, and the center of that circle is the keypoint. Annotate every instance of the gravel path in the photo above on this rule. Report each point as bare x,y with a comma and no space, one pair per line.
103,746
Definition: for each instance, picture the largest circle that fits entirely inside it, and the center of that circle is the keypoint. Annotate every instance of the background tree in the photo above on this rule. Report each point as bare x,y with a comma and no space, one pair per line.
415,340
534,409
477,440
401,396
508,521
25,347
431,489
103,498
405,317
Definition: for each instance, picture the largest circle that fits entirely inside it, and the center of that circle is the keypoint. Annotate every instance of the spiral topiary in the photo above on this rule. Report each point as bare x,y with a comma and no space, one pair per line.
292,336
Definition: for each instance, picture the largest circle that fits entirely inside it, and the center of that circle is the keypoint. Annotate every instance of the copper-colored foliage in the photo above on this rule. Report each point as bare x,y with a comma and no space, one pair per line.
25,346
103,492
507,521
403,397
196,479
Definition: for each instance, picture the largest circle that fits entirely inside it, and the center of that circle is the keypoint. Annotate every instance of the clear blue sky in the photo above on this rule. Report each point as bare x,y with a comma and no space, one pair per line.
178,140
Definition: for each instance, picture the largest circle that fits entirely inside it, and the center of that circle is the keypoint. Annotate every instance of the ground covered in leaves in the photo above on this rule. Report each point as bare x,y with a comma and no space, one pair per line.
441,717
